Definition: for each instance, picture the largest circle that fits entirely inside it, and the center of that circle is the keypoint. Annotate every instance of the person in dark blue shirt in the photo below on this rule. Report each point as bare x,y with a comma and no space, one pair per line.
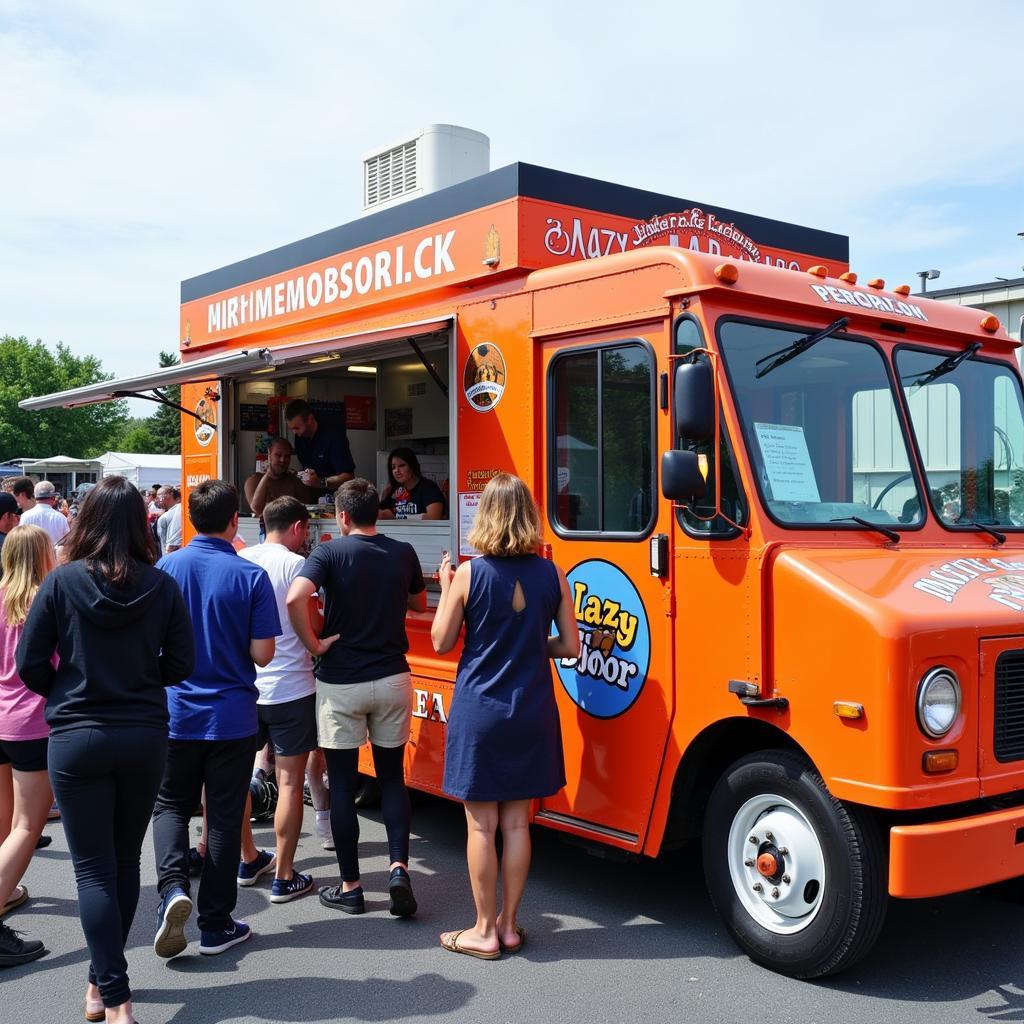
213,722
321,443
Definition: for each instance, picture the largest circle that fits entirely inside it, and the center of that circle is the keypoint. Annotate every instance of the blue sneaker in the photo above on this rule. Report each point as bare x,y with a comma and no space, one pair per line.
285,889
175,909
211,943
248,873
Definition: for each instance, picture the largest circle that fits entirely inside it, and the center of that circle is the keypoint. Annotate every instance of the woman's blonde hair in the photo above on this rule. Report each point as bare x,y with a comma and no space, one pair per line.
26,557
507,522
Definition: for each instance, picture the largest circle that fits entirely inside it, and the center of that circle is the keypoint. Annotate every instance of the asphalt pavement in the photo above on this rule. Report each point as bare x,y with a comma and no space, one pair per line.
607,942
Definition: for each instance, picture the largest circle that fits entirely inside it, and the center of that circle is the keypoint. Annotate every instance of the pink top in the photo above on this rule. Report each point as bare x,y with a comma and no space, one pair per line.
21,710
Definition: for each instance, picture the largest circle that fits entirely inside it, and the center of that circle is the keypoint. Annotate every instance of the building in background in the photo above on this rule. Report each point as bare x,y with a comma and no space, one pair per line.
1004,297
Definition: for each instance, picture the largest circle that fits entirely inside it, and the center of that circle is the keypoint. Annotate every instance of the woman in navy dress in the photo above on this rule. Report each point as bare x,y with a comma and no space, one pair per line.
503,745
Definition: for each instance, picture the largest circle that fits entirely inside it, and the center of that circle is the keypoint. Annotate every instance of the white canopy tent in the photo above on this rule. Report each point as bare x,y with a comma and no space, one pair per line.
142,470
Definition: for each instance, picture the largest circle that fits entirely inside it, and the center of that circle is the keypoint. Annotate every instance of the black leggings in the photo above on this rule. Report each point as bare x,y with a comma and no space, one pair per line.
105,780
343,773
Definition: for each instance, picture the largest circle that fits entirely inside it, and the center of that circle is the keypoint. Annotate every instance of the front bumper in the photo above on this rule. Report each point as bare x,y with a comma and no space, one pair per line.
951,856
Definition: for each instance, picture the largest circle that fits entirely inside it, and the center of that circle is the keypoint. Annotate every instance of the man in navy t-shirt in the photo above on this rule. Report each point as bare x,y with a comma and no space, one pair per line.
213,722
321,443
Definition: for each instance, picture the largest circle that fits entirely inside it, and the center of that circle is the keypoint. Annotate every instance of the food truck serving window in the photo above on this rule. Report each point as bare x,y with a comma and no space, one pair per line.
601,437
827,445
969,426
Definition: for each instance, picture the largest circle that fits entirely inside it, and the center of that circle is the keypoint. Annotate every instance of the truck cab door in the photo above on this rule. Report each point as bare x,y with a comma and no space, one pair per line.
601,508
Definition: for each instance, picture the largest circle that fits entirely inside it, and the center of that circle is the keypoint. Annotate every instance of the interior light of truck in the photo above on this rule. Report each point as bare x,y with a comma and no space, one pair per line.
848,709
991,324
818,270
727,273
902,289
940,761
361,369
876,282
849,277
938,702
702,465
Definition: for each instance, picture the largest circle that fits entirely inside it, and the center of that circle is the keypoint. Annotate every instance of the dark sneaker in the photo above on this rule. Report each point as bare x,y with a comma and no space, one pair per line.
43,842
285,889
15,950
249,873
348,902
196,860
403,903
211,943
174,910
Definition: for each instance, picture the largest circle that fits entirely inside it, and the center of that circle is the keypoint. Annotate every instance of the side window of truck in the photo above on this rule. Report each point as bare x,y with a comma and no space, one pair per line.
702,521
601,437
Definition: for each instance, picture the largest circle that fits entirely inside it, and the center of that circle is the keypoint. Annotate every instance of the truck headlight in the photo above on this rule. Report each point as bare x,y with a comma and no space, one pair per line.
938,702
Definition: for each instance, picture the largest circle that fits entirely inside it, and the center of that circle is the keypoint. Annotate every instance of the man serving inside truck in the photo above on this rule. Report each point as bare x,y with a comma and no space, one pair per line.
321,443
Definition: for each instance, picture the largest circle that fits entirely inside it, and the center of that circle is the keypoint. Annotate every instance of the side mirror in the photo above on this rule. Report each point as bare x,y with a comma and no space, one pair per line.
694,391
681,478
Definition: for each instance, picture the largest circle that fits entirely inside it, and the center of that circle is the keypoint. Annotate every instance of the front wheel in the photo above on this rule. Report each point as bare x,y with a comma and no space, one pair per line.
798,878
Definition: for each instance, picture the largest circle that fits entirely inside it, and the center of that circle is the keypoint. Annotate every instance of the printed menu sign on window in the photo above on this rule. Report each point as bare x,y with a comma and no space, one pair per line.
787,462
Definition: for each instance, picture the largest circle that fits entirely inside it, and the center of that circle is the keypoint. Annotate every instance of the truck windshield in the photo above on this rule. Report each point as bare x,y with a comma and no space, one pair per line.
968,420
822,429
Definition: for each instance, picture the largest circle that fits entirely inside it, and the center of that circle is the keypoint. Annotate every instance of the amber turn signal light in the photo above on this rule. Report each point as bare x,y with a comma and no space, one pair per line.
849,277
902,289
848,709
876,282
991,324
940,761
727,273
818,270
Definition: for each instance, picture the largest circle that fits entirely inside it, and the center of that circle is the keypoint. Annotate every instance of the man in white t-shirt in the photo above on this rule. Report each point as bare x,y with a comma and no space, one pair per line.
42,513
286,705
168,526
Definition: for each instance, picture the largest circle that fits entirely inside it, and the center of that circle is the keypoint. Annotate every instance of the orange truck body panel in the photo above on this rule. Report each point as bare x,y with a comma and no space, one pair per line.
536,275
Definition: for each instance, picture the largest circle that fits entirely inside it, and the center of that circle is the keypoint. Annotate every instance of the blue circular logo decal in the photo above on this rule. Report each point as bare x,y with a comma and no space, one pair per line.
616,641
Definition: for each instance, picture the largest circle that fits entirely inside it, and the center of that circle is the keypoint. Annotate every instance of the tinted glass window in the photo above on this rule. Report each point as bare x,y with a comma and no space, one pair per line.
603,421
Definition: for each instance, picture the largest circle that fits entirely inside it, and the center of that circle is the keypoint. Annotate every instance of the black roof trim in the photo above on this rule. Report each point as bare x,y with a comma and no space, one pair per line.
517,179
987,286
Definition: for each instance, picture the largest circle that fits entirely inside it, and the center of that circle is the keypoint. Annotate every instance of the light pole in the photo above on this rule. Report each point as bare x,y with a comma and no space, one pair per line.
926,276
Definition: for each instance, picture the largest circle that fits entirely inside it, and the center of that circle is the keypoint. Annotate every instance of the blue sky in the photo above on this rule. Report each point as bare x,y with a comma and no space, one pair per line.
144,144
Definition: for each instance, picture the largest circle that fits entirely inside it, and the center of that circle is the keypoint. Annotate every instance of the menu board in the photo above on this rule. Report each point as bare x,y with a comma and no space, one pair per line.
787,462
469,505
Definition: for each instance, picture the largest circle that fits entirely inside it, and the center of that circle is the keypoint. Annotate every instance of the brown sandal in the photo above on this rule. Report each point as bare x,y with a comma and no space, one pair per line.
451,943
521,932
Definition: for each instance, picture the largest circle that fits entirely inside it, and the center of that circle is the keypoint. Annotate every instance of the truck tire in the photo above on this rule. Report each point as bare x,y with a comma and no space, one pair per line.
798,878
368,793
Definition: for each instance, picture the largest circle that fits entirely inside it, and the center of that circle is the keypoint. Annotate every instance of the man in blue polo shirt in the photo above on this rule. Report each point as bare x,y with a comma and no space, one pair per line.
213,723
321,443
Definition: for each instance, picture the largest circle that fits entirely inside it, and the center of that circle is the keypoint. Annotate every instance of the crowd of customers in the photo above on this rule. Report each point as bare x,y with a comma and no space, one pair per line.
215,667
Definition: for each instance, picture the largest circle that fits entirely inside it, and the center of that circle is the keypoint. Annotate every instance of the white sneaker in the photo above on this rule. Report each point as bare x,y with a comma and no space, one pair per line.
323,829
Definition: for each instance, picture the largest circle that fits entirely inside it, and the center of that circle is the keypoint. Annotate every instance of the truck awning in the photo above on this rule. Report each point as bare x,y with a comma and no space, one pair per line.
193,372
402,336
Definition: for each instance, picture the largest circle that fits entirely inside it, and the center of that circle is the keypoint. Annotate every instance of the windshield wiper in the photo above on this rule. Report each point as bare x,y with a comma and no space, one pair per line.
1000,538
784,355
868,525
947,365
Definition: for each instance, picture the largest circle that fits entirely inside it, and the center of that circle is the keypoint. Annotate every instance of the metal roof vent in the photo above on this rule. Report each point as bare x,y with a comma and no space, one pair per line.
434,158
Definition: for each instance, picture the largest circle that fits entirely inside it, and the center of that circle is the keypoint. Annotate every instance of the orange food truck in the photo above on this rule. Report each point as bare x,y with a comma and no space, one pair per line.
789,505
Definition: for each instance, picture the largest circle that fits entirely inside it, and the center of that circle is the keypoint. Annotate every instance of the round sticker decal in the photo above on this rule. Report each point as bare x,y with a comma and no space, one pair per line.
206,424
483,380
611,670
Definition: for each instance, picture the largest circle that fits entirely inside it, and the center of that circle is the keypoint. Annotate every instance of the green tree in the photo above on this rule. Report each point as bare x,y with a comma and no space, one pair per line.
30,368
135,436
165,424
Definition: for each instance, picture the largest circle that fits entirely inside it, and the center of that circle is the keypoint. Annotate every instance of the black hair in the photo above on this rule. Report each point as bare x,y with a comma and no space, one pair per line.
281,513
211,505
359,499
408,456
111,534
297,407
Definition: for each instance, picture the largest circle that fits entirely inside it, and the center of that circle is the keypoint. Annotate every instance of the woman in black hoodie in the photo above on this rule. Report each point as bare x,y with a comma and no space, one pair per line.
122,633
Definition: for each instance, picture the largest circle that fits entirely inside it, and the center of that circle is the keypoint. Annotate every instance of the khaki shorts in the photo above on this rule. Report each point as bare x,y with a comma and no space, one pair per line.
349,713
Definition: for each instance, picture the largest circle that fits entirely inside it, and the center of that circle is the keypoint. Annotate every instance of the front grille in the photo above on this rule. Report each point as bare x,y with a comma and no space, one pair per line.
1009,719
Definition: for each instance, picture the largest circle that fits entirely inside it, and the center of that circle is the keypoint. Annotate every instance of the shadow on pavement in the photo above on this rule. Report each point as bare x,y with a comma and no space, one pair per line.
313,999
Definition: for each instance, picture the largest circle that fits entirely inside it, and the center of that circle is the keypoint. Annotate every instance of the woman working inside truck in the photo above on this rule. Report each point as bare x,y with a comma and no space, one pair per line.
408,494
